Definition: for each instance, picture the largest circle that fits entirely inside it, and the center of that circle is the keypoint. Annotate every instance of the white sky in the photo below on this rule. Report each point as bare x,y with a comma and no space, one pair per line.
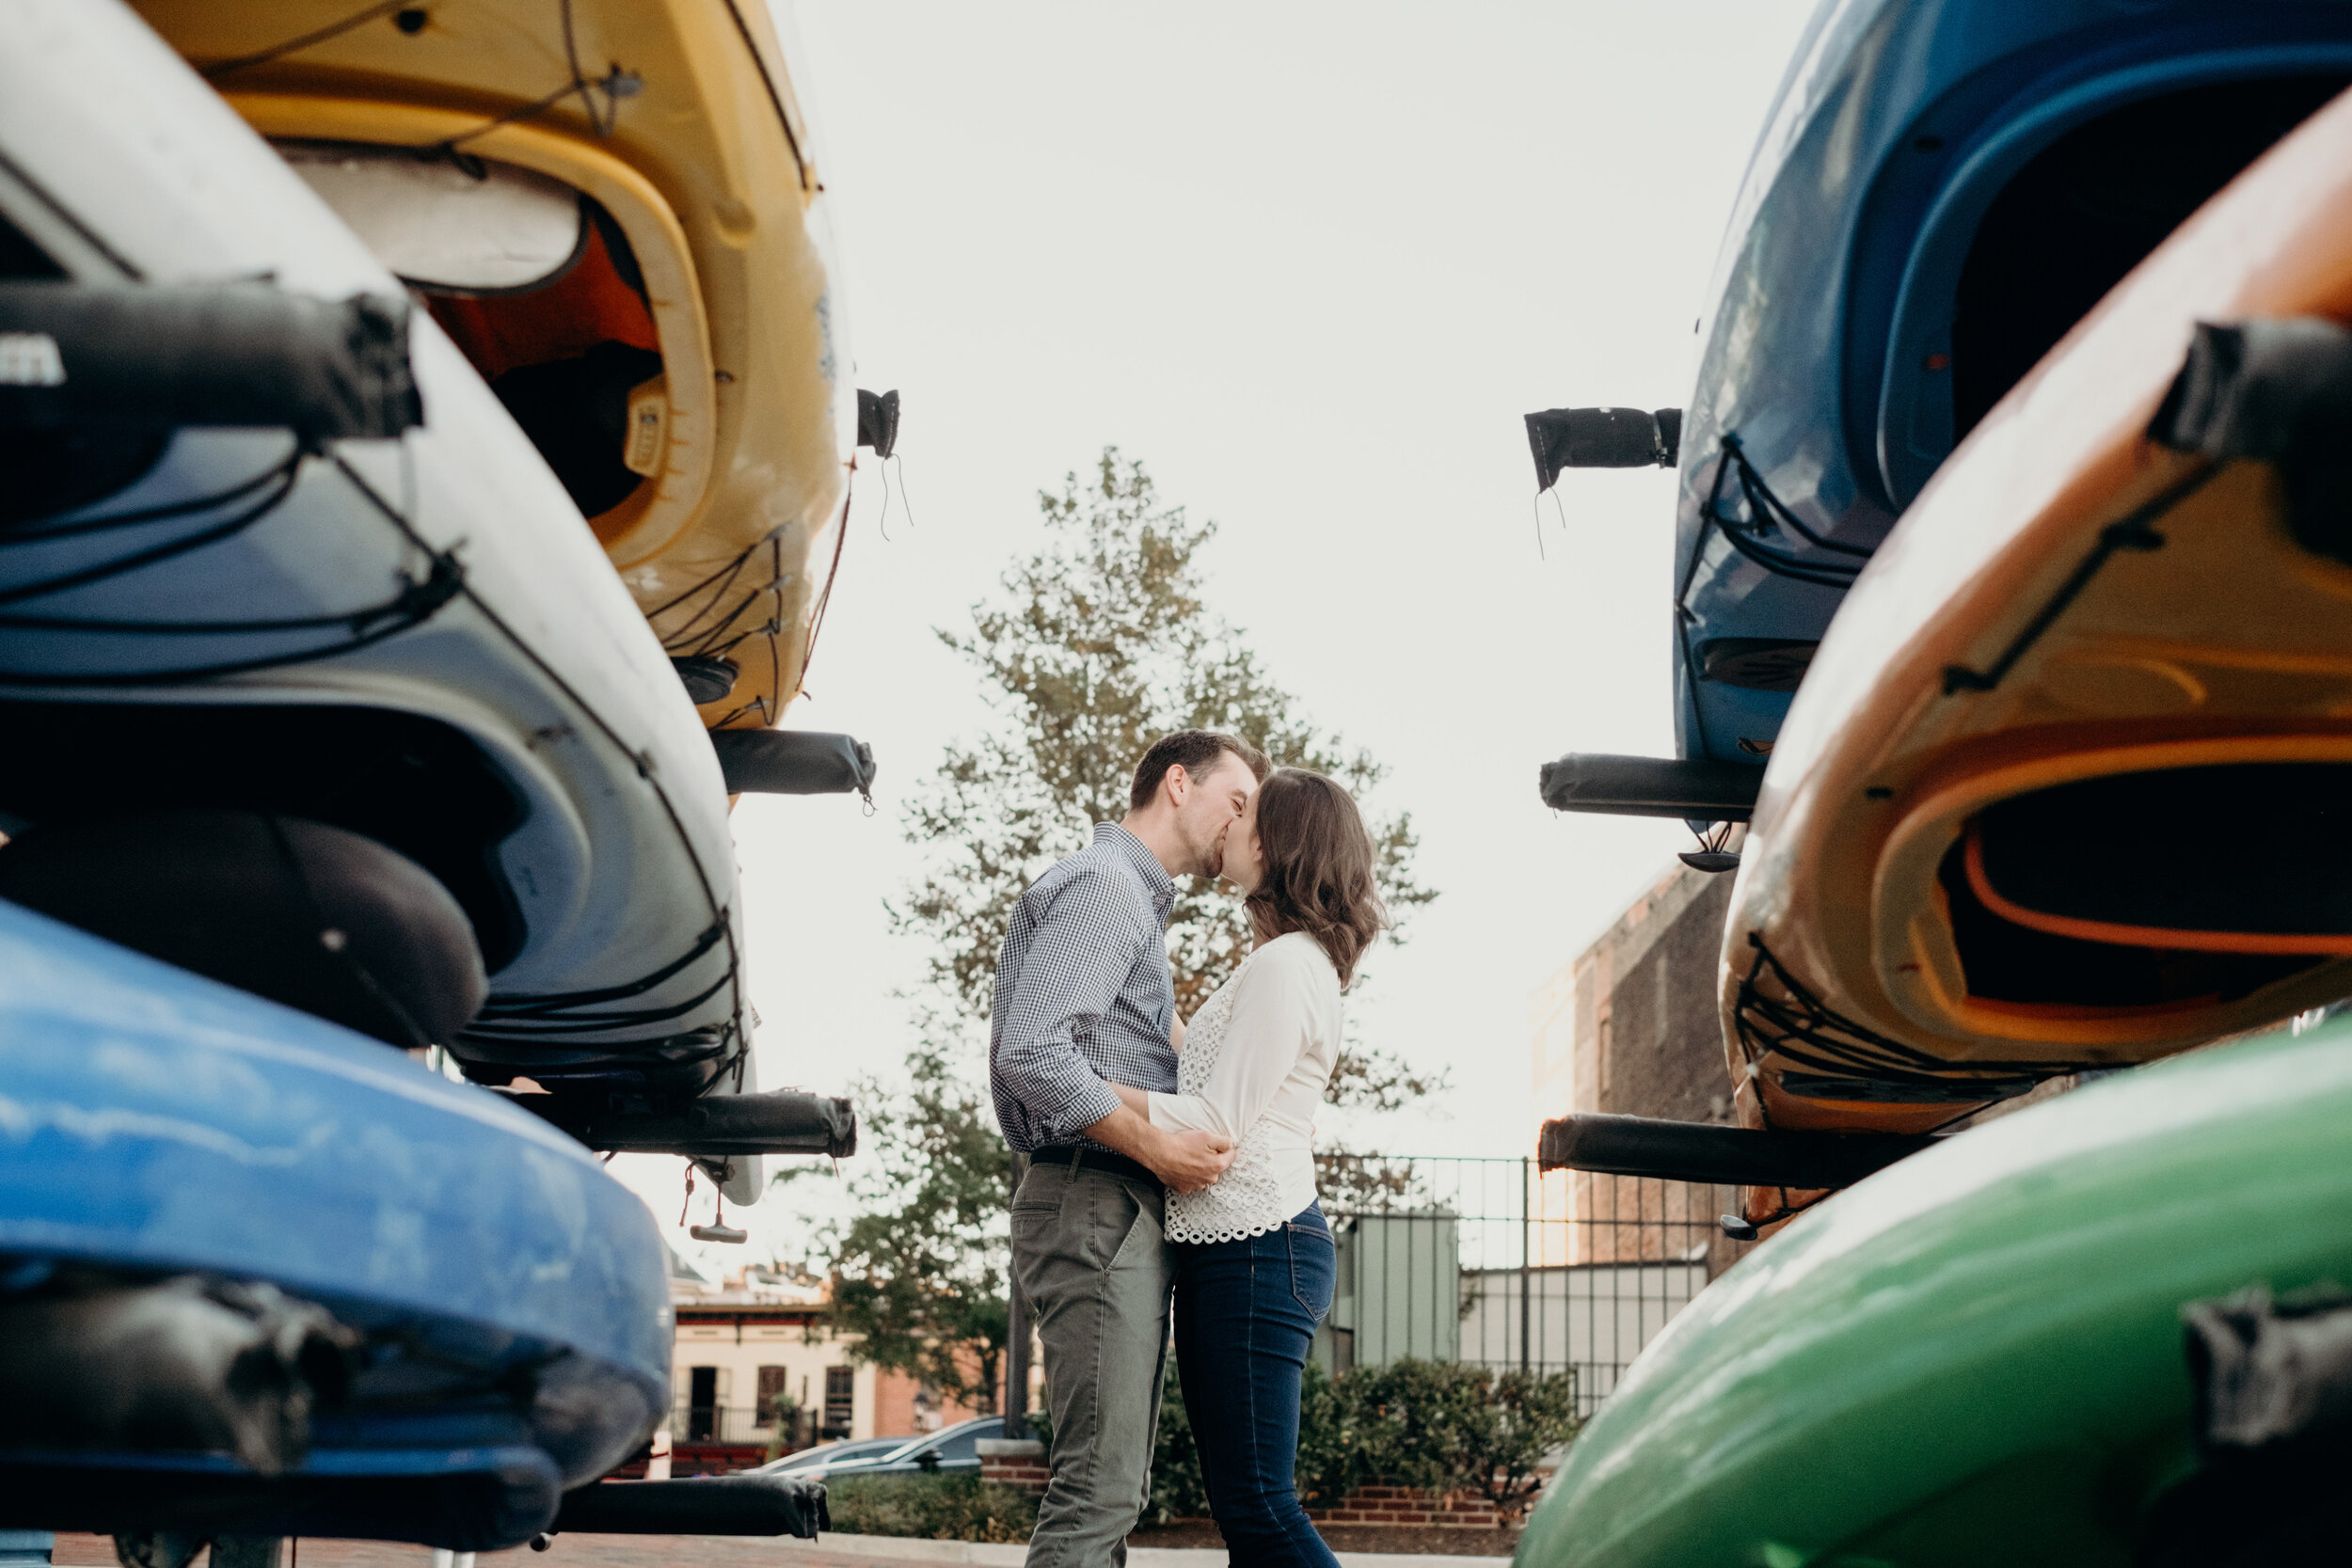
1310,263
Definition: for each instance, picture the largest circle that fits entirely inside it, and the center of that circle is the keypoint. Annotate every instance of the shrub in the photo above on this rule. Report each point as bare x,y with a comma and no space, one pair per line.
1334,1457
930,1508
1441,1427
1177,1490
1447,1426
1532,1415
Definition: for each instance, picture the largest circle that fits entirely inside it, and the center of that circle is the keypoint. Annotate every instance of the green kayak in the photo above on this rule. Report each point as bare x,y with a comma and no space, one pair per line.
1979,1355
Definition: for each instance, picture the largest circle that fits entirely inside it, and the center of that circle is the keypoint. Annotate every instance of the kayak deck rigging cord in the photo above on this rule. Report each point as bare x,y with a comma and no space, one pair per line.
2132,533
616,85
1798,1027
720,917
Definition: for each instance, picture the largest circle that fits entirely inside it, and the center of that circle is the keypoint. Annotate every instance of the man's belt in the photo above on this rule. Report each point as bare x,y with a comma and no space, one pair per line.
1095,1159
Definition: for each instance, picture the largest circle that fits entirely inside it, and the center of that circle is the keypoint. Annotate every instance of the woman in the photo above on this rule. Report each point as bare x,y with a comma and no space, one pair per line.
1255,1265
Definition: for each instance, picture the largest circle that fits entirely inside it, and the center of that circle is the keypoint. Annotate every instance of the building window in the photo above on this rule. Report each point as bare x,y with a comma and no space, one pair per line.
840,1400
770,1391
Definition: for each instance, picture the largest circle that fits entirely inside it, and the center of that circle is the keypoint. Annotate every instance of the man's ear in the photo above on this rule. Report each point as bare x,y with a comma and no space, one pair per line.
1177,783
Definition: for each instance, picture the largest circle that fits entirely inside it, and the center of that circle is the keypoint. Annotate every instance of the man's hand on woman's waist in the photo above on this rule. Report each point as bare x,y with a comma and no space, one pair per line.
1186,1160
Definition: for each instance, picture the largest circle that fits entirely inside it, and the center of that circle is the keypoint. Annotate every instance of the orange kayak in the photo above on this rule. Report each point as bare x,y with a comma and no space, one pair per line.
2060,789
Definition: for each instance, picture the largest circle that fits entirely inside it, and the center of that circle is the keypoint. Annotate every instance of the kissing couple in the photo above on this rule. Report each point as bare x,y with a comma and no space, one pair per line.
1174,1159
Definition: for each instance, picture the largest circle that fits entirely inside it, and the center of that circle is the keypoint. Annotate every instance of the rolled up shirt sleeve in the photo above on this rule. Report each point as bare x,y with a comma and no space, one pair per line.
1071,975
1269,1030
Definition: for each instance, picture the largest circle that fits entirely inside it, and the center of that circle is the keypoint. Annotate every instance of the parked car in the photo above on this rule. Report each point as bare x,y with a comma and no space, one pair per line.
813,1463
950,1451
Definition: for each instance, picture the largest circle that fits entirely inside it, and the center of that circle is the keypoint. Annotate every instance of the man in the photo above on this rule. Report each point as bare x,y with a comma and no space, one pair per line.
1083,999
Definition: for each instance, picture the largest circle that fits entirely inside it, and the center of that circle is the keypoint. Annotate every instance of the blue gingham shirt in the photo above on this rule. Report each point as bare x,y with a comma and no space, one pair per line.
1083,993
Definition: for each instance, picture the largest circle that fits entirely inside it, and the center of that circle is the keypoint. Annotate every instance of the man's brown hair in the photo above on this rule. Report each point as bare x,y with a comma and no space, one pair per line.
1197,752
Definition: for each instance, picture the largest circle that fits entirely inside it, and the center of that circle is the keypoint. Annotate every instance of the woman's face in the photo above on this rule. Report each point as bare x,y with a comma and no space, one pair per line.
1245,857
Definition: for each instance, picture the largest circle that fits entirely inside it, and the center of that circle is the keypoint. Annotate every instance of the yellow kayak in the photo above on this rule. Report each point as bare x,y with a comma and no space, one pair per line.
611,205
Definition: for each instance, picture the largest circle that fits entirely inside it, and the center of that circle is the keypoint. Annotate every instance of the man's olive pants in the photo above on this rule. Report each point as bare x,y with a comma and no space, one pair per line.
1089,1252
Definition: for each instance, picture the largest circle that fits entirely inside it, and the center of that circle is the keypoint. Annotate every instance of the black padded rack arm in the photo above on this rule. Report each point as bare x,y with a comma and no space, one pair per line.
1705,1152
237,355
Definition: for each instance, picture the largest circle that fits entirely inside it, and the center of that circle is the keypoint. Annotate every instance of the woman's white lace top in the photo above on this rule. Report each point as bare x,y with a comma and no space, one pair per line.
1255,1059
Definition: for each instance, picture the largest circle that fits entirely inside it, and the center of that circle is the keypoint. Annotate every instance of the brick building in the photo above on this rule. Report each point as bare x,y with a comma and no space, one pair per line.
755,1340
1629,1026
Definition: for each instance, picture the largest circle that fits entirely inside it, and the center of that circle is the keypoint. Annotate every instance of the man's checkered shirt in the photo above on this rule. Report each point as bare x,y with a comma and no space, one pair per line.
1083,992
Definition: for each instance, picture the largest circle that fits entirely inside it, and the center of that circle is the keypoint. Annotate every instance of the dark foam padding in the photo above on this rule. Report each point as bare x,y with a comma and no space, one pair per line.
698,1505
1694,789
793,762
148,357
1709,1153
315,917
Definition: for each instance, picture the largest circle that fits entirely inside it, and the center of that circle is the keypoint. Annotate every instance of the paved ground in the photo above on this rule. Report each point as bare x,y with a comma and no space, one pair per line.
722,1551
1352,1542
569,1551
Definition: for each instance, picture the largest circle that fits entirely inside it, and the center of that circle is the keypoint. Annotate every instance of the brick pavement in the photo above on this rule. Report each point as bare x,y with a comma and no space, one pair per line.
717,1551
569,1551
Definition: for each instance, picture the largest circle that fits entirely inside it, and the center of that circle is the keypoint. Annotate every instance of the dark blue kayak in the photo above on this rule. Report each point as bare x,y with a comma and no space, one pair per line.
500,1302
1940,192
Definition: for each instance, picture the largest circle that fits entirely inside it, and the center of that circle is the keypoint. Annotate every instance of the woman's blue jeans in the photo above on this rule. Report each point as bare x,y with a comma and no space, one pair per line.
1245,1312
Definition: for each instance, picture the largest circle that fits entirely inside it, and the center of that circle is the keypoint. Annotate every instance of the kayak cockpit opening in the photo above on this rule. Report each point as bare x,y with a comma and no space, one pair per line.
2036,229
539,288
2153,890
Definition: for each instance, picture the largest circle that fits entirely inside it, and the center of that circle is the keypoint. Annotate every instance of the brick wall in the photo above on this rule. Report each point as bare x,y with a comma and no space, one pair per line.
1023,1465
1402,1505
1019,1465
900,1404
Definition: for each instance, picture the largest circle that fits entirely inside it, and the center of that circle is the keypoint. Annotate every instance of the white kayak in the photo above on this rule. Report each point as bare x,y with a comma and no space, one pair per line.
416,641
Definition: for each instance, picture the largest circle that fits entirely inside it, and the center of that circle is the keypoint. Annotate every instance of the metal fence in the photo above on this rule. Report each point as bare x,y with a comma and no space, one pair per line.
1487,1262
745,1425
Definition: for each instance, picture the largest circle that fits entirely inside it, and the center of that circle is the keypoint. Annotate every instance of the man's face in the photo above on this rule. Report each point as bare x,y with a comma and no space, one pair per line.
1213,803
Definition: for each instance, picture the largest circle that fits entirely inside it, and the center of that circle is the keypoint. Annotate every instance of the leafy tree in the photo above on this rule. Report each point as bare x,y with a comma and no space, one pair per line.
1103,645
919,1274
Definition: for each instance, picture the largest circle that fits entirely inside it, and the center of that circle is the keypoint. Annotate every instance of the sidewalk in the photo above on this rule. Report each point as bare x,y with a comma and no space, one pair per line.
735,1551
868,1548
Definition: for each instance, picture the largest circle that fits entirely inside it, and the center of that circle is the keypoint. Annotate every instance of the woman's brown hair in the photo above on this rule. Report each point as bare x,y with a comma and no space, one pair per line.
1318,868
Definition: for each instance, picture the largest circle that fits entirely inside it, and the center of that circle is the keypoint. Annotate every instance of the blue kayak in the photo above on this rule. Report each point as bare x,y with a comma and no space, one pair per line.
1940,192
500,1301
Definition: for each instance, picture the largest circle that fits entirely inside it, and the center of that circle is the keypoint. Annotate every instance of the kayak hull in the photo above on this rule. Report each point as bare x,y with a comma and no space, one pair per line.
1829,357
705,163
2001,650
513,1298
595,861
1976,1354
